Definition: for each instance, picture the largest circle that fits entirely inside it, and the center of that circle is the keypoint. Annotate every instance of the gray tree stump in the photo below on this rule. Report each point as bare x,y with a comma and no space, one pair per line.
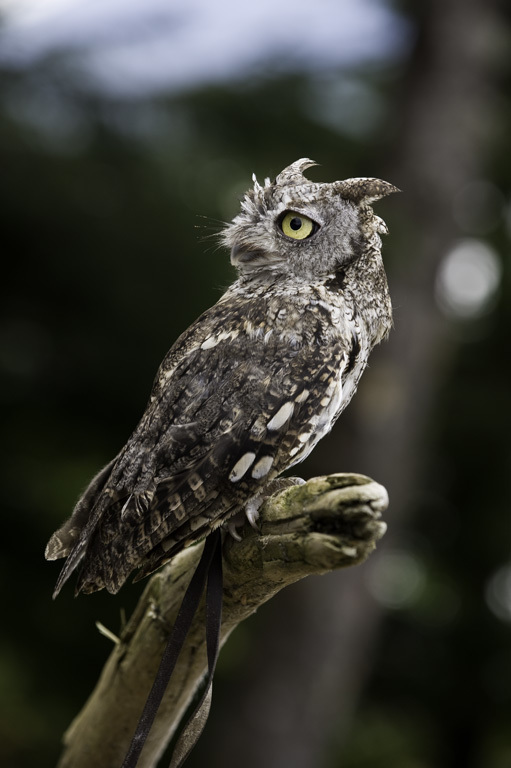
328,523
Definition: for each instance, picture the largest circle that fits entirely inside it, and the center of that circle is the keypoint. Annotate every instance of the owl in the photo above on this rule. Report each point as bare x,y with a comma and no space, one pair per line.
250,388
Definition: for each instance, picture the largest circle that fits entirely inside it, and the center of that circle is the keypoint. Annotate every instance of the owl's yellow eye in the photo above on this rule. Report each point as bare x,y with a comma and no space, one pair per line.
297,226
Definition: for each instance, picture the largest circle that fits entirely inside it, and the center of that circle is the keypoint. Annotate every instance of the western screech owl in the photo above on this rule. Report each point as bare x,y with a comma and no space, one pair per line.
248,390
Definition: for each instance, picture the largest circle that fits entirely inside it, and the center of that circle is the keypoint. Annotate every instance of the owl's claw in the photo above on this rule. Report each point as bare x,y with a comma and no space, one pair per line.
250,513
231,526
254,504
252,508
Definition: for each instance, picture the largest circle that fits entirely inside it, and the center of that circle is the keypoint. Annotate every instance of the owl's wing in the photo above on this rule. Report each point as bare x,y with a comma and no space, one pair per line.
228,413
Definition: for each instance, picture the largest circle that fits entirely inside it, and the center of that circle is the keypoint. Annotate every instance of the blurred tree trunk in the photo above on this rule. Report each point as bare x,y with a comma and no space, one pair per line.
314,644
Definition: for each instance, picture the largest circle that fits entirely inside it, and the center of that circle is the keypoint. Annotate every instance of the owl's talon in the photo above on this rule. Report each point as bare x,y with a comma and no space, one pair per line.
253,505
231,528
252,511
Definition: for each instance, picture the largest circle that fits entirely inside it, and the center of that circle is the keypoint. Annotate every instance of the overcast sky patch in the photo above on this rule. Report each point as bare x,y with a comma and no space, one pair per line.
130,46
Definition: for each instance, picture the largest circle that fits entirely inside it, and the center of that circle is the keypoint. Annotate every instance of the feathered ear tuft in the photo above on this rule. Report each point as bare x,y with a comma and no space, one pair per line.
293,174
364,190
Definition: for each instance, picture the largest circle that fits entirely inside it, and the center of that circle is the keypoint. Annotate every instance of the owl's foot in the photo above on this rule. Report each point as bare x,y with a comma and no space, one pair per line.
254,504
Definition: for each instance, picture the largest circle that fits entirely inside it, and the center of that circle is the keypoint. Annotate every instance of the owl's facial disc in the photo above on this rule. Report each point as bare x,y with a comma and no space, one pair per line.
291,224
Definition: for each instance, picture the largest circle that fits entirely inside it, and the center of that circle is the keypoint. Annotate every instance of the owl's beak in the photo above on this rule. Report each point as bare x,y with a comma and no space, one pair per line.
243,254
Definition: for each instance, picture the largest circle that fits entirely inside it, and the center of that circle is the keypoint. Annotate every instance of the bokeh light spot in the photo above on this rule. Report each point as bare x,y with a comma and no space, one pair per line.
468,279
396,579
498,593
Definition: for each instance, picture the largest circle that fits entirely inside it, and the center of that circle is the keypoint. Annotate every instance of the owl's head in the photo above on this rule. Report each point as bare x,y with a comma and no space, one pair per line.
294,226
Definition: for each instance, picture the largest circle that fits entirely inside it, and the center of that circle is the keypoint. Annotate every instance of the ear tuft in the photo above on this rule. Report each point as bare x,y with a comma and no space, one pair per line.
293,174
364,190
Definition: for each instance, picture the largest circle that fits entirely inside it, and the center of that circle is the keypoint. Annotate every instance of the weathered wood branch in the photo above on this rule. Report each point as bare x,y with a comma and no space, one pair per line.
328,523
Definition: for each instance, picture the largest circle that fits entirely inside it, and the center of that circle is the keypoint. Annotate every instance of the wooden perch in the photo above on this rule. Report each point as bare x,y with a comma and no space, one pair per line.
327,523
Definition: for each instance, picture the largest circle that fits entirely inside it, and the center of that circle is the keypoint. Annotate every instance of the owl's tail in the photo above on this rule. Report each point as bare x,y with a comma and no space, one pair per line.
72,538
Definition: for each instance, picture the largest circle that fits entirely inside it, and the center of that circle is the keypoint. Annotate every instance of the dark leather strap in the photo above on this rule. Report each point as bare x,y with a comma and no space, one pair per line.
194,725
210,568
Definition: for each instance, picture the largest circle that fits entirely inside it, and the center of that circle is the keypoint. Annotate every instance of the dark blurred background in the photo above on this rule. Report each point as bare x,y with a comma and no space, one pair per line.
127,134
